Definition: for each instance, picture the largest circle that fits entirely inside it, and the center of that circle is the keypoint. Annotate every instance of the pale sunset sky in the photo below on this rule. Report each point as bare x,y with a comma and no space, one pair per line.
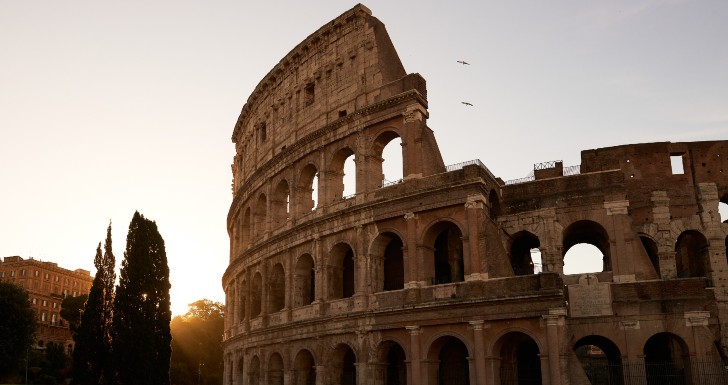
111,107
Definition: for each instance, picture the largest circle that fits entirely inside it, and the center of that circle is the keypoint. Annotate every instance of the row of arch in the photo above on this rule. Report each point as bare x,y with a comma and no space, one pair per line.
344,175
448,361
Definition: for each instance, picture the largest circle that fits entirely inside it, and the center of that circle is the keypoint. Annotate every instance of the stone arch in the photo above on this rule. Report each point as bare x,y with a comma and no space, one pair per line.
377,168
590,233
335,182
280,204
276,288
304,281
600,359
691,255
254,373
667,359
444,243
494,207
275,369
343,365
260,213
522,245
520,361
391,360
305,189
341,271
387,251
448,361
652,250
256,295
304,368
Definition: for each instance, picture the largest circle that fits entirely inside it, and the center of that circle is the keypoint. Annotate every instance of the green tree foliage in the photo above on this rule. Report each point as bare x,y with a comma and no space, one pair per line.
196,344
92,354
17,327
141,319
71,309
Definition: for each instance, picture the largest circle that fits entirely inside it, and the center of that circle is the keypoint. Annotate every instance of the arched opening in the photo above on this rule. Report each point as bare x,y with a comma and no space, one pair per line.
304,281
388,256
342,272
448,253
523,250
600,359
304,369
280,204
240,378
586,248
275,369
388,146
341,175
343,365
259,214
666,360
691,255
394,364
650,247
277,288
449,362
254,372
493,204
308,188
256,294
520,361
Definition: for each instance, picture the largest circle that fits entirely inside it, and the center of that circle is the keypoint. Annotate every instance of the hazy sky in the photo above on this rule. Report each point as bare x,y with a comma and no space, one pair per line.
111,107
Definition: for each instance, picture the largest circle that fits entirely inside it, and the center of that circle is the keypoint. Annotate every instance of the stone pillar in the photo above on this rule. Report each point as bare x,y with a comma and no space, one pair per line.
473,206
245,291
478,355
360,271
413,122
698,322
320,373
412,275
415,374
320,276
492,373
554,320
665,243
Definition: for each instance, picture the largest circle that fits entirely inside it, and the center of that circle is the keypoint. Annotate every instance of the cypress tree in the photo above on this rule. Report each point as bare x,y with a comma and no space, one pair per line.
92,354
141,331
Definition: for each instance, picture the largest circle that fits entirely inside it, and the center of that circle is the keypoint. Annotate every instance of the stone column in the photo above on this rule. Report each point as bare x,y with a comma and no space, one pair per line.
320,373
412,275
665,243
413,122
479,353
554,320
415,374
320,276
473,206
245,292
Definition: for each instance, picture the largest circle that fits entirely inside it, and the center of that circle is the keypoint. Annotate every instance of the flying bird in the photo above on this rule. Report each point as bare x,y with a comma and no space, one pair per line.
463,62
467,104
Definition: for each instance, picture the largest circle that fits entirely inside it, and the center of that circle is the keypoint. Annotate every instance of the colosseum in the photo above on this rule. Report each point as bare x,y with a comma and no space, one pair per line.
450,275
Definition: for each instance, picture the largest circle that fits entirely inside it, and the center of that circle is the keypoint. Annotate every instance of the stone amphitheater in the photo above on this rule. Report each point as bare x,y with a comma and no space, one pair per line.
452,276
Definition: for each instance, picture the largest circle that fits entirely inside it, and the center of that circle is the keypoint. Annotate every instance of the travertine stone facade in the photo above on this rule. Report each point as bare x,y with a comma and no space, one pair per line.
434,279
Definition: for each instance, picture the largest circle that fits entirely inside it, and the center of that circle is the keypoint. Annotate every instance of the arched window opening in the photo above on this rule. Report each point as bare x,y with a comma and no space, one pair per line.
349,176
523,252
666,360
275,369
448,250
256,294
254,377
493,204
308,187
449,357
393,265
723,210
277,288
304,281
342,272
396,366
304,369
691,255
341,175
586,248
280,204
650,247
259,213
600,359
520,361
241,372
388,146
343,364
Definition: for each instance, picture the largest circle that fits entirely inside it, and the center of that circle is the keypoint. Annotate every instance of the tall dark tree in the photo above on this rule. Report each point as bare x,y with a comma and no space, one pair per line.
92,355
17,327
142,315
71,310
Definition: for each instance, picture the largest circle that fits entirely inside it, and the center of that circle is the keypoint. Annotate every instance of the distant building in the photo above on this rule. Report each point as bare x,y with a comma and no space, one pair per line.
47,285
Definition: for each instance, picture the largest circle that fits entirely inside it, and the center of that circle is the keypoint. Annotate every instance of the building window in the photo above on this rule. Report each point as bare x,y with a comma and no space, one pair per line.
35,301
43,319
12,273
46,276
2,274
54,317
74,293
75,283
65,293
309,94
45,303
37,273
56,279
55,305
22,273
